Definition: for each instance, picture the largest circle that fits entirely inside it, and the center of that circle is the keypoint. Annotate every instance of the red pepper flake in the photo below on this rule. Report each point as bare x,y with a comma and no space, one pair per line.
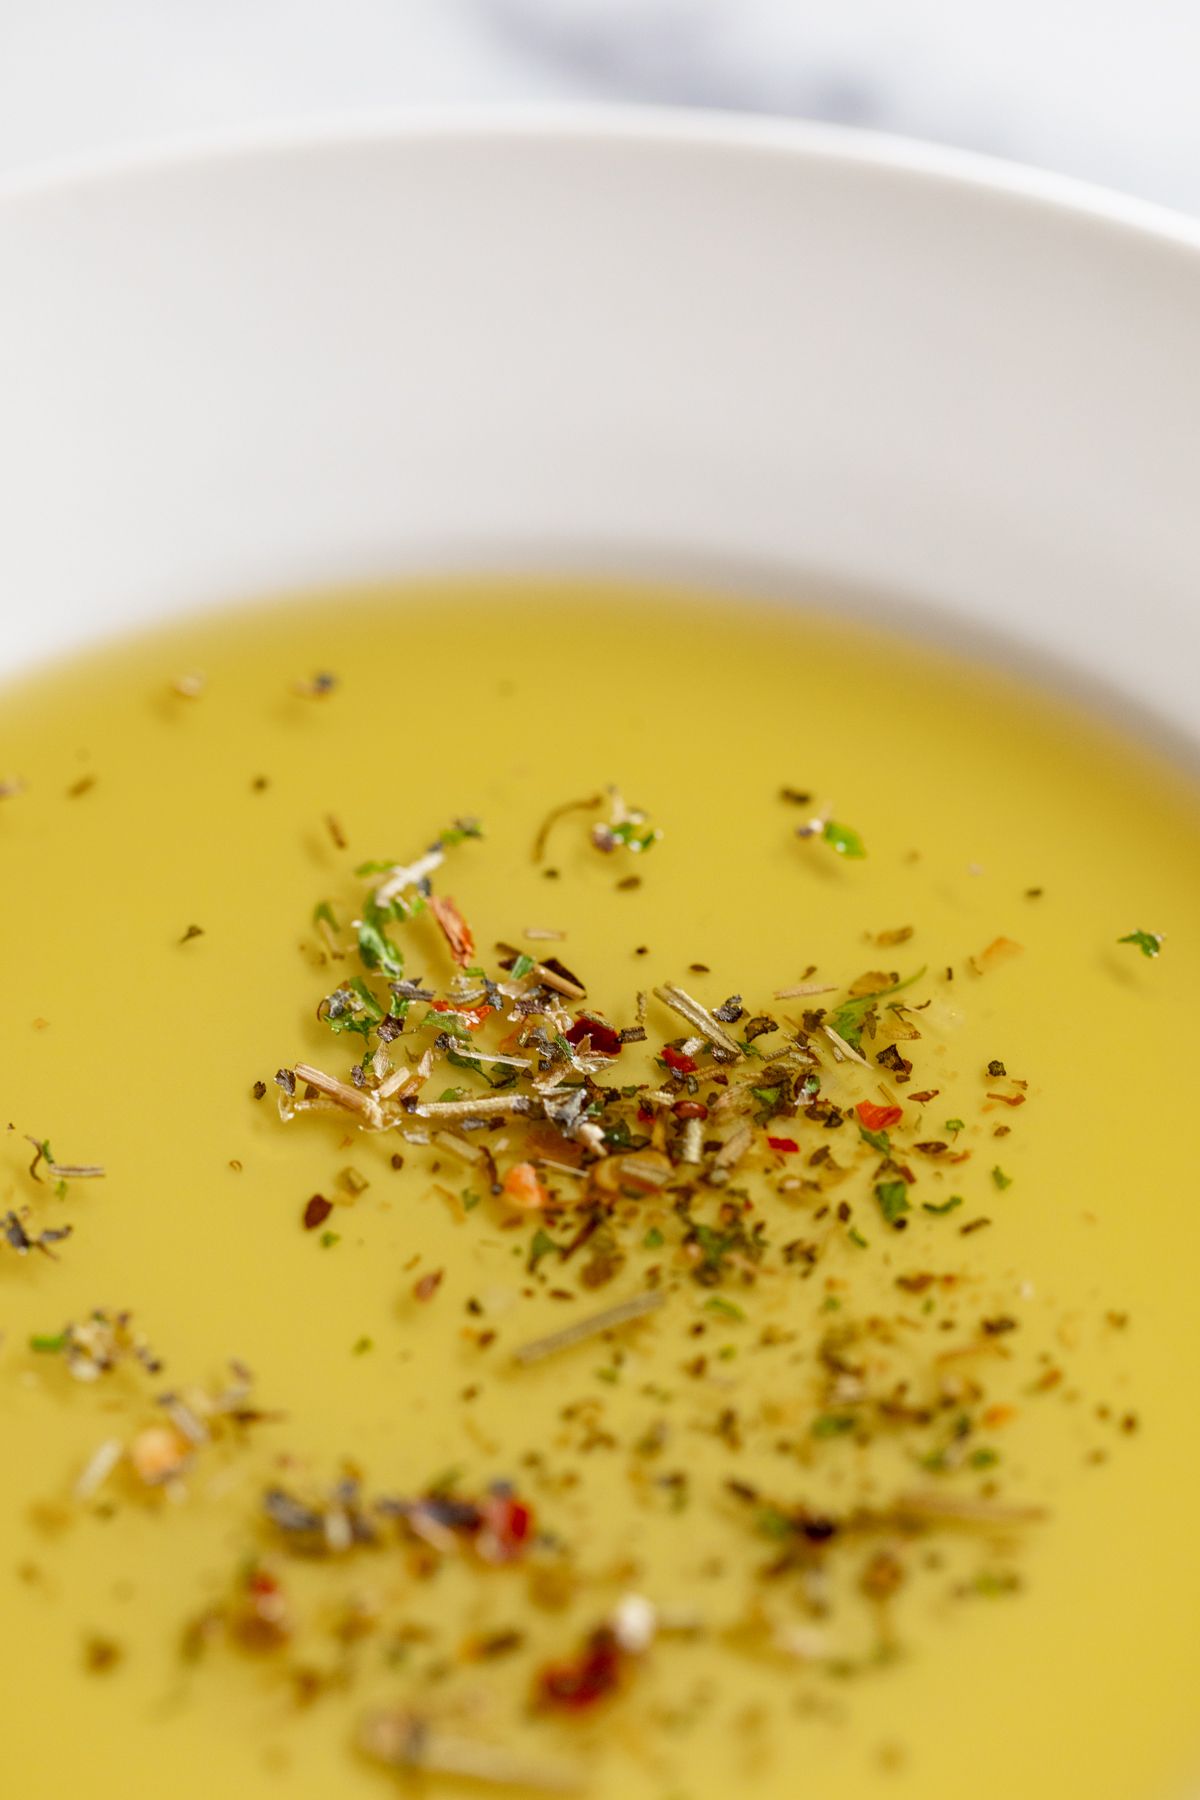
428,1285
589,1677
785,1146
261,1622
317,1211
524,1189
878,1118
675,1059
506,1527
472,1016
455,930
690,1109
606,1040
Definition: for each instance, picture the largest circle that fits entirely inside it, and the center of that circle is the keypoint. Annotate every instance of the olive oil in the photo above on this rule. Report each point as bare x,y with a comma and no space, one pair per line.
187,800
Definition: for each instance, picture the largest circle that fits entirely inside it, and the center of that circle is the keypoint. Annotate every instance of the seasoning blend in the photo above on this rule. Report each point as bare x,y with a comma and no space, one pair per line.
583,1271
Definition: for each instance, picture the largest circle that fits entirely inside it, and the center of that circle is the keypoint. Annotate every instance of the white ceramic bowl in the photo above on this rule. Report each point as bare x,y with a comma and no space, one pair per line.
771,355
755,352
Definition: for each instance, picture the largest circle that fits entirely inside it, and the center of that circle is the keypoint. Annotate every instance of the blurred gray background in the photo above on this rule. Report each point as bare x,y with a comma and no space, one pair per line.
1103,89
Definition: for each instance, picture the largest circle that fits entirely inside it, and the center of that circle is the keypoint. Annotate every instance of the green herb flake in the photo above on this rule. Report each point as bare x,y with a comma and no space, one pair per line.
541,1245
653,1239
845,841
946,1206
956,1125
1148,942
856,1237
329,1239
324,912
773,1523
847,1021
378,951
993,1584
618,1136
352,1008
370,1004
716,1303
984,1457
1001,1180
459,832
470,1201
629,833
522,966
893,1199
446,1481
878,1140
50,1345
831,1425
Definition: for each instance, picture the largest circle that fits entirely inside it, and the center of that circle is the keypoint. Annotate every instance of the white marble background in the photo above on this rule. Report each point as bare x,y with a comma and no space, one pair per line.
1106,89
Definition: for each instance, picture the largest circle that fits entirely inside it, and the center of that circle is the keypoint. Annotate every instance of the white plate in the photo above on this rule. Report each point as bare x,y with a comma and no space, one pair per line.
739,349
